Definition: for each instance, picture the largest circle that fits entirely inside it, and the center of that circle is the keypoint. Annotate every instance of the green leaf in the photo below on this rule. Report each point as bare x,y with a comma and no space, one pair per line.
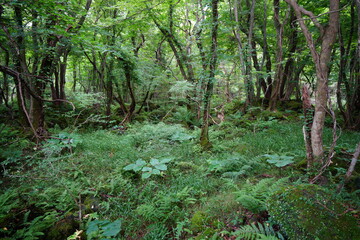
92,228
137,166
166,160
129,167
279,161
112,229
161,167
145,175
154,161
180,136
160,164
147,169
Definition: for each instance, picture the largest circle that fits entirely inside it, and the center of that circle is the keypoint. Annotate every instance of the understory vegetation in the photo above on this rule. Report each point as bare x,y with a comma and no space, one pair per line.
179,120
152,180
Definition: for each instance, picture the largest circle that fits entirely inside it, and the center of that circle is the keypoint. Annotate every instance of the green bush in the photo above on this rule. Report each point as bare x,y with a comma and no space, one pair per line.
309,212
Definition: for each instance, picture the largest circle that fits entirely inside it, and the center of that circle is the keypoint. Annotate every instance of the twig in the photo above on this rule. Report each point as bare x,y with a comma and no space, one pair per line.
351,168
167,113
25,110
339,215
313,18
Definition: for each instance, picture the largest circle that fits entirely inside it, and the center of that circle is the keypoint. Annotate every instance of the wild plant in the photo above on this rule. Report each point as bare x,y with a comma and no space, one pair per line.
253,197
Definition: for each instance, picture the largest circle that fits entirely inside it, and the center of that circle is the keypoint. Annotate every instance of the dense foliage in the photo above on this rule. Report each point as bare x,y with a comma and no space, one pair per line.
197,119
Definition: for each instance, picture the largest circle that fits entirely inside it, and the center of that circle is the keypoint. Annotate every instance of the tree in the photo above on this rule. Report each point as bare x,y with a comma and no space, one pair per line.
35,64
321,61
204,136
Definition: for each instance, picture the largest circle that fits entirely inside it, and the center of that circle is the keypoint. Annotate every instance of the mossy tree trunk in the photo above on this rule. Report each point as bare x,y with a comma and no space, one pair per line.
204,137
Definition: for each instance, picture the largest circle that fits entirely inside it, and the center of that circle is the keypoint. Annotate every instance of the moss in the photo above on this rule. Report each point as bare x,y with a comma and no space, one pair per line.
90,205
199,221
308,212
268,115
302,164
63,228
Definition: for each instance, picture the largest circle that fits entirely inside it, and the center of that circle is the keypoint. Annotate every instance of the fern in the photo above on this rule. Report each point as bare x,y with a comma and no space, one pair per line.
257,232
253,197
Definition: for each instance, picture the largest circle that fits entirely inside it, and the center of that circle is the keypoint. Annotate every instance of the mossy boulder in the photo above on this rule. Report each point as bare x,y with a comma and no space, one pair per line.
307,212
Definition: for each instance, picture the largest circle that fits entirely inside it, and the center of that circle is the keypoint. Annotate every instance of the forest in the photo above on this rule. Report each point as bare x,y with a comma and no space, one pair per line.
179,119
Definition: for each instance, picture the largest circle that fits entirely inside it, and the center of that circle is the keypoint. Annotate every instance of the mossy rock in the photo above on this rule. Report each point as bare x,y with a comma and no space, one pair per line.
307,212
63,228
90,204
268,115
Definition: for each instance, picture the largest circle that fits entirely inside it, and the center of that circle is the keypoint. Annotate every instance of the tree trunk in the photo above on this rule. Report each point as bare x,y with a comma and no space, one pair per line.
204,135
250,95
321,61
109,88
62,76
74,77
289,69
308,114
279,71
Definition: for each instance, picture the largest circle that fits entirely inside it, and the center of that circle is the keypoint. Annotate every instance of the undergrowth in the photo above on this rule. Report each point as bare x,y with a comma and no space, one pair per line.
151,181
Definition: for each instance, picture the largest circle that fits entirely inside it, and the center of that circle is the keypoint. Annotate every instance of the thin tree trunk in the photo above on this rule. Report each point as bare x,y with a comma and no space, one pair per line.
279,71
241,52
250,53
351,168
289,69
308,114
204,135
74,77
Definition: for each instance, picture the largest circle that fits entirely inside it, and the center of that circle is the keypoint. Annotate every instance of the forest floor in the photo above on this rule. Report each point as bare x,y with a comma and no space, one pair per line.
153,181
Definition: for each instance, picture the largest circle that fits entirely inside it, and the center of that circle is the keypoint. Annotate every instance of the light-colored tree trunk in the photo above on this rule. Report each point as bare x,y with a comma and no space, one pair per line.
321,60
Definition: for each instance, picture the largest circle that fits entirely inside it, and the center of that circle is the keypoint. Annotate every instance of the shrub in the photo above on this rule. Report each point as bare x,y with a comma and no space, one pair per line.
308,212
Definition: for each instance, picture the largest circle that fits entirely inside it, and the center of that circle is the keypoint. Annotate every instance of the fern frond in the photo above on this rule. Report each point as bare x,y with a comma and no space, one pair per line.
247,232
257,232
264,237
253,197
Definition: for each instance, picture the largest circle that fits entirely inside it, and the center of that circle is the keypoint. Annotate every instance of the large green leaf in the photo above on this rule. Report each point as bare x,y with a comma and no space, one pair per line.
136,167
112,229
